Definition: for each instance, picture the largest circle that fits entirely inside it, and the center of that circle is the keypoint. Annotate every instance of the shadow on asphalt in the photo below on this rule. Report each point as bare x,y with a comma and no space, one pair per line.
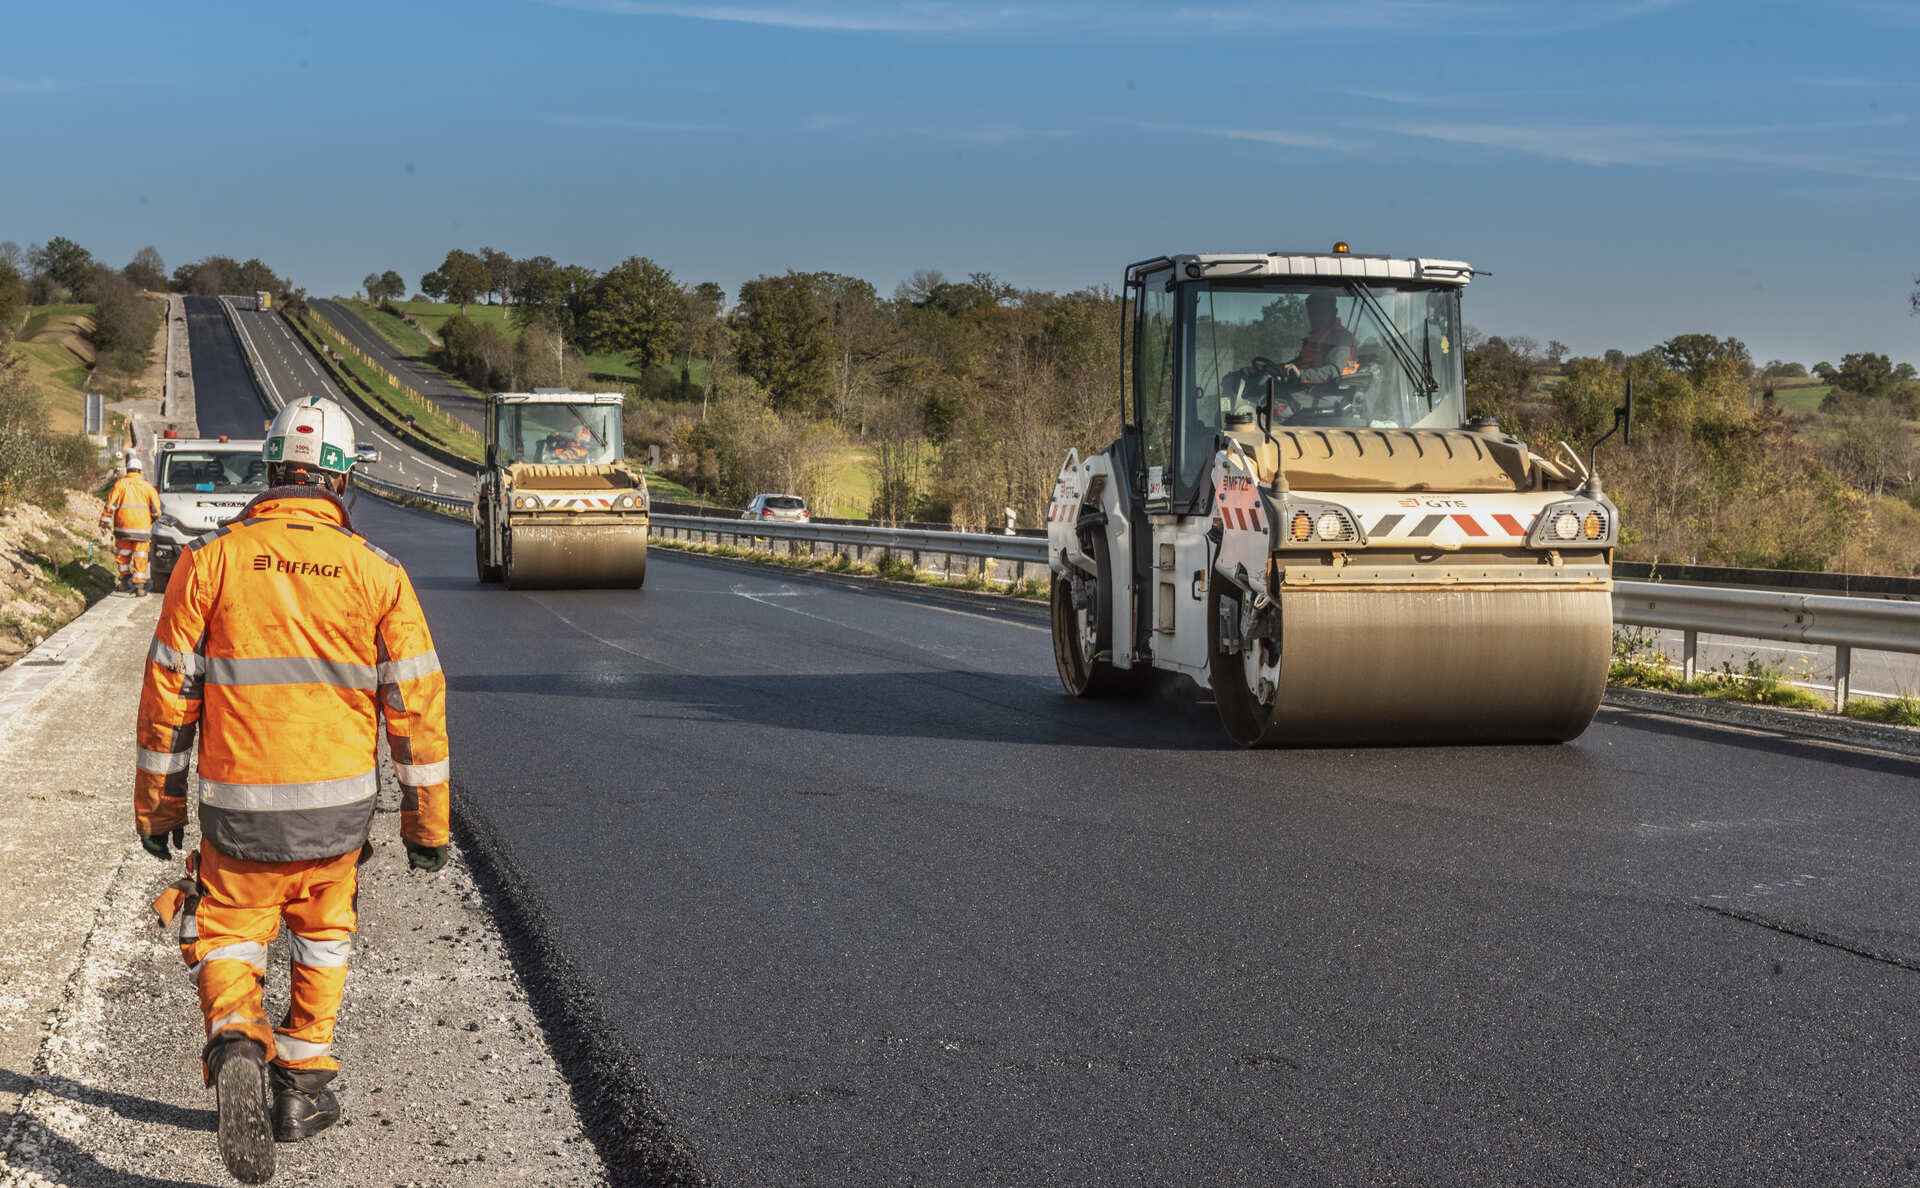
952,705
1856,755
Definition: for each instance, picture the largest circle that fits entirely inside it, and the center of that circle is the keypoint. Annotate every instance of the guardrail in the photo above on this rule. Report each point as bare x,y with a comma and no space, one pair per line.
1018,550
256,366
1841,623
451,503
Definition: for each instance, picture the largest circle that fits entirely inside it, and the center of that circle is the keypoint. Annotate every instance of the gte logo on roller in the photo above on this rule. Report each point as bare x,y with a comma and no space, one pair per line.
264,563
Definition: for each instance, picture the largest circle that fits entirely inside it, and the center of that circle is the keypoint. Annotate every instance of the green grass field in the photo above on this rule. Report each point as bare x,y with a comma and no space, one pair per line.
399,335
432,315
1805,398
53,343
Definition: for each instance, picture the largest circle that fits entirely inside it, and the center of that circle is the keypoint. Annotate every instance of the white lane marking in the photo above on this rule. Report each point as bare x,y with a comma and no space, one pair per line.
947,610
760,598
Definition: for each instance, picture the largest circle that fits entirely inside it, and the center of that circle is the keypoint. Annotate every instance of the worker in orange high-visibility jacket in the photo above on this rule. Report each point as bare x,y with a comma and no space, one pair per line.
1328,352
284,641
132,507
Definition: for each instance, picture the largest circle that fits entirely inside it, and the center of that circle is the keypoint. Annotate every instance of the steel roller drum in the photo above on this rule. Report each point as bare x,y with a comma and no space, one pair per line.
1487,664
550,556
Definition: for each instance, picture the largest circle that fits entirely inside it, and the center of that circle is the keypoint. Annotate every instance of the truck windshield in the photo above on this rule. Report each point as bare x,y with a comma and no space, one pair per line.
1332,359
205,470
559,433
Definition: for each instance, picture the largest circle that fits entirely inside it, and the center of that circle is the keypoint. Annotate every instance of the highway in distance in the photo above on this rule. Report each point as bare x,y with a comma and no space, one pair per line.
872,902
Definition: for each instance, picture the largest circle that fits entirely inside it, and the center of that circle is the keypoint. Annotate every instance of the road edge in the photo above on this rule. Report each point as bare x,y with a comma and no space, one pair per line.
637,1142
1825,728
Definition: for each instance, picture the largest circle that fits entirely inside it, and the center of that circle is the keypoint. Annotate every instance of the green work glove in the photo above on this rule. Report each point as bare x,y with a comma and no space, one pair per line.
156,843
427,858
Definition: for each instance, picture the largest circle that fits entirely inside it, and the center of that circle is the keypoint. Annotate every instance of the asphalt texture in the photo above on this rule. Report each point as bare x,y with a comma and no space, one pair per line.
865,899
422,376
225,401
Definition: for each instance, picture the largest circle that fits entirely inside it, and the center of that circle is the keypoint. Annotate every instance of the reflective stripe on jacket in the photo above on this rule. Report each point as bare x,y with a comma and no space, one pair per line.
132,507
283,637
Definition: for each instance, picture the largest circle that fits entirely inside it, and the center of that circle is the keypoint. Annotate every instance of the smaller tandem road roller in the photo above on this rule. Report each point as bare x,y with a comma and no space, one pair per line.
1299,516
556,505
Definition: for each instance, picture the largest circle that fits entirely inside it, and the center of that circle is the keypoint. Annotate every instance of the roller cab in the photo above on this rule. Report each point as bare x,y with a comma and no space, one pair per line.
557,505
1298,517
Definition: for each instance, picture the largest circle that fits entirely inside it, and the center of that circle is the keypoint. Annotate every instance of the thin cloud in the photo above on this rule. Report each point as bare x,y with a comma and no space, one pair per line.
1398,98
622,125
1272,136
25,86
1629,144
937,17
911,18
978,134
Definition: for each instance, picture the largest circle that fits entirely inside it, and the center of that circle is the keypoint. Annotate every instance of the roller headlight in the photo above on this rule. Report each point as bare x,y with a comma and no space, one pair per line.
1580,520
1334,526
1313,523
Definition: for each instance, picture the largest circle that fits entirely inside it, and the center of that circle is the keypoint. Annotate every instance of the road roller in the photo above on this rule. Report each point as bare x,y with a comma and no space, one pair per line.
1299,516
556,504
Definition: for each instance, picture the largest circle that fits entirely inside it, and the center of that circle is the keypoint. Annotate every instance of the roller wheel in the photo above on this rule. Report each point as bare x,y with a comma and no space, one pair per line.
1244,713
488,573
1080,634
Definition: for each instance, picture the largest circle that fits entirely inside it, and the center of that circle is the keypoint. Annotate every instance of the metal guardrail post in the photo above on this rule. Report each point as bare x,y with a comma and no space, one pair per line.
1842,676
1689,653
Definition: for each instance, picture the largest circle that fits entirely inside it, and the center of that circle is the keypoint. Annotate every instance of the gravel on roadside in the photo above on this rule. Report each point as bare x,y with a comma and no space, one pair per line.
447,1075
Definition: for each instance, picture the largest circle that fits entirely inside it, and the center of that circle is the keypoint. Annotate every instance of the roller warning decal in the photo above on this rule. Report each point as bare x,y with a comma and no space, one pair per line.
1245,539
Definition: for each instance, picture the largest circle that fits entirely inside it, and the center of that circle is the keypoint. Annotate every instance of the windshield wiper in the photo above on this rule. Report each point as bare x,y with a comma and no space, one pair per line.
575,414
1420,373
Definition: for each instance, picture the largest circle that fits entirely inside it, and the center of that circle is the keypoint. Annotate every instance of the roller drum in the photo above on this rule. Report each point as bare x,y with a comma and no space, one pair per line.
1510,664
551,556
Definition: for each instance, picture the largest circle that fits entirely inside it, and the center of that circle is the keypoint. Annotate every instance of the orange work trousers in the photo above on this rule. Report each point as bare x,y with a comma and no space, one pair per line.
132,556
240,907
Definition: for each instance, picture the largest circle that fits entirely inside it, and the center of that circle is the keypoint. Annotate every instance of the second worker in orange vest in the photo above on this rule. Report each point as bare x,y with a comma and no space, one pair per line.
284,642
132,507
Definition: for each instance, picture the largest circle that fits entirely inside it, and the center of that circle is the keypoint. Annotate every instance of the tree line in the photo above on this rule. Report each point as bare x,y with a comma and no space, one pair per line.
1721,470
961,397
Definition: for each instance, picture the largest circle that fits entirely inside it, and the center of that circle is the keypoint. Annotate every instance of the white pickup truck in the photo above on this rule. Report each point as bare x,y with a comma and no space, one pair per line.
203,483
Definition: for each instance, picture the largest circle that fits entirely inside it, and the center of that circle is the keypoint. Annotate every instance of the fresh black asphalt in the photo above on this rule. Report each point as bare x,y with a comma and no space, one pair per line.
225,402
418,374
866,900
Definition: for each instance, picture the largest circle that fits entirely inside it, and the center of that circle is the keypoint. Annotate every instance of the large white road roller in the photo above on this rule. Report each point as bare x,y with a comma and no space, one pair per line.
557,505
1298,516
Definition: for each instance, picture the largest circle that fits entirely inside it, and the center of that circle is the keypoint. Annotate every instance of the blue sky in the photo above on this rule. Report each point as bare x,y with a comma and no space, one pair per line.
1627,171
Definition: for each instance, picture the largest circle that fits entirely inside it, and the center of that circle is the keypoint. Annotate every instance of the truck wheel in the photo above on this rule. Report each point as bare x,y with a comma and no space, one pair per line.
488,573
1083,633
1244,713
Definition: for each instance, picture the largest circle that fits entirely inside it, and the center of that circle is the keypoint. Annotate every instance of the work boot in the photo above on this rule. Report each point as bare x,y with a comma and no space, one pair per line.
125,586
139,589
238,1068
303,1106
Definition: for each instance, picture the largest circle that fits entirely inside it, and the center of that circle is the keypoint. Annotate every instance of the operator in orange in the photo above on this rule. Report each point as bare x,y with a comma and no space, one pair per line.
284,642
1328,352
132,507
572,449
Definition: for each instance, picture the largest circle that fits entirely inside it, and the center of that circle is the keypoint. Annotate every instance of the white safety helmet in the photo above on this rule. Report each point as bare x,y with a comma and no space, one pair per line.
133,461
311,433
